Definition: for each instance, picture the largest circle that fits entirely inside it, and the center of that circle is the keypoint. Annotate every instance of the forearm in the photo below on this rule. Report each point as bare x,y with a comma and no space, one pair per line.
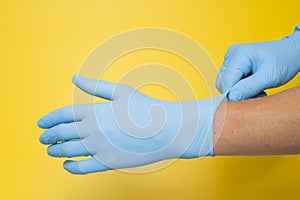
264,126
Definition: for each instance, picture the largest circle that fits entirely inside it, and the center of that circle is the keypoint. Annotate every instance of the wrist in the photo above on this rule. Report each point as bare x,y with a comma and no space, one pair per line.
218,117
203,142
218,126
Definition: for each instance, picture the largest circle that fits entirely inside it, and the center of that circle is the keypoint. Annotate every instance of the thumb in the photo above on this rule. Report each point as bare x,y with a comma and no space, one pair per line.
248,87
102,89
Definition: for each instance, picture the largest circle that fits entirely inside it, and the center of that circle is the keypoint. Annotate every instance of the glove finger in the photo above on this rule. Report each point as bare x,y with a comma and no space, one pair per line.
227,58
102,89
62,132
219,83
84,166
66,114
68,149
238,67
247,88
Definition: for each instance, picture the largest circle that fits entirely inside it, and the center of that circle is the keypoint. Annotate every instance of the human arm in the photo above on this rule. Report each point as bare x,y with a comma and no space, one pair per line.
161,130
248,69
264,126
129,130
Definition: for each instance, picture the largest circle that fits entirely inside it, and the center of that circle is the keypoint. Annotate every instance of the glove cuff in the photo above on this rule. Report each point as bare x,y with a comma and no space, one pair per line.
217,102
203,142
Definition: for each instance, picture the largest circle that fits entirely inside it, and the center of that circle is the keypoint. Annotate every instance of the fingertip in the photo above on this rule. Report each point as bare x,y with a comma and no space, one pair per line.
85,166
72,167
227,80
74,78
45,122
47,138
41,123
219,84
235,95
219,80
67,164
42,139
50,151
55,151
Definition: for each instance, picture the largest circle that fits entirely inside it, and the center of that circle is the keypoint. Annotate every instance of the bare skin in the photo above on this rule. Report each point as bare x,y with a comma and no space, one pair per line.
264,126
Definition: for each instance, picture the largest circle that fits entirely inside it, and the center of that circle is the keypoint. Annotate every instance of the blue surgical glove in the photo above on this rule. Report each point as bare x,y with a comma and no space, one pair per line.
248,69
130,130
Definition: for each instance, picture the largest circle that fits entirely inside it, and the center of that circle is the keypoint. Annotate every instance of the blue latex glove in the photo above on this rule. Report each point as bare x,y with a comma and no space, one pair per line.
130,130
248,69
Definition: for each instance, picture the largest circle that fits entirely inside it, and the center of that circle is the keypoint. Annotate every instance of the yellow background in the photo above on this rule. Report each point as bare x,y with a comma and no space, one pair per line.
43,43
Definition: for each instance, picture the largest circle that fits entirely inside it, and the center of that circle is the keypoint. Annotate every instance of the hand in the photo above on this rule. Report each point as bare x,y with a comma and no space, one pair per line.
248,69
131,130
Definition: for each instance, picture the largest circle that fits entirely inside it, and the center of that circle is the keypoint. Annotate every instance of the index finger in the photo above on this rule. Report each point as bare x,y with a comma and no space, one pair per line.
66,114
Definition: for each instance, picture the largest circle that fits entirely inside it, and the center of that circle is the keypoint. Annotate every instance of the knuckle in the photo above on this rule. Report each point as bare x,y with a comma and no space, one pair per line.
242,49
232,49
245,50
51,151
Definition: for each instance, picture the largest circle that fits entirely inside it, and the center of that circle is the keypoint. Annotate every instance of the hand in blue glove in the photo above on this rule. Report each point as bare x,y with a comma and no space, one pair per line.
248,69
130,130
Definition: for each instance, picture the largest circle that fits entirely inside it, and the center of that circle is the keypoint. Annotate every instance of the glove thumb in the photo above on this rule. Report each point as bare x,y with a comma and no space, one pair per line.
247,88
102,89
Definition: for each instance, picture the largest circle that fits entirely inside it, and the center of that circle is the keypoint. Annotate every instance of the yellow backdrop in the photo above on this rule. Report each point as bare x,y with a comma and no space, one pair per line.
43,43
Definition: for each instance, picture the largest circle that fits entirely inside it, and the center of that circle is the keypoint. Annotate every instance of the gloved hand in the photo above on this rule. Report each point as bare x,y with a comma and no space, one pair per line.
130,130
248,69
